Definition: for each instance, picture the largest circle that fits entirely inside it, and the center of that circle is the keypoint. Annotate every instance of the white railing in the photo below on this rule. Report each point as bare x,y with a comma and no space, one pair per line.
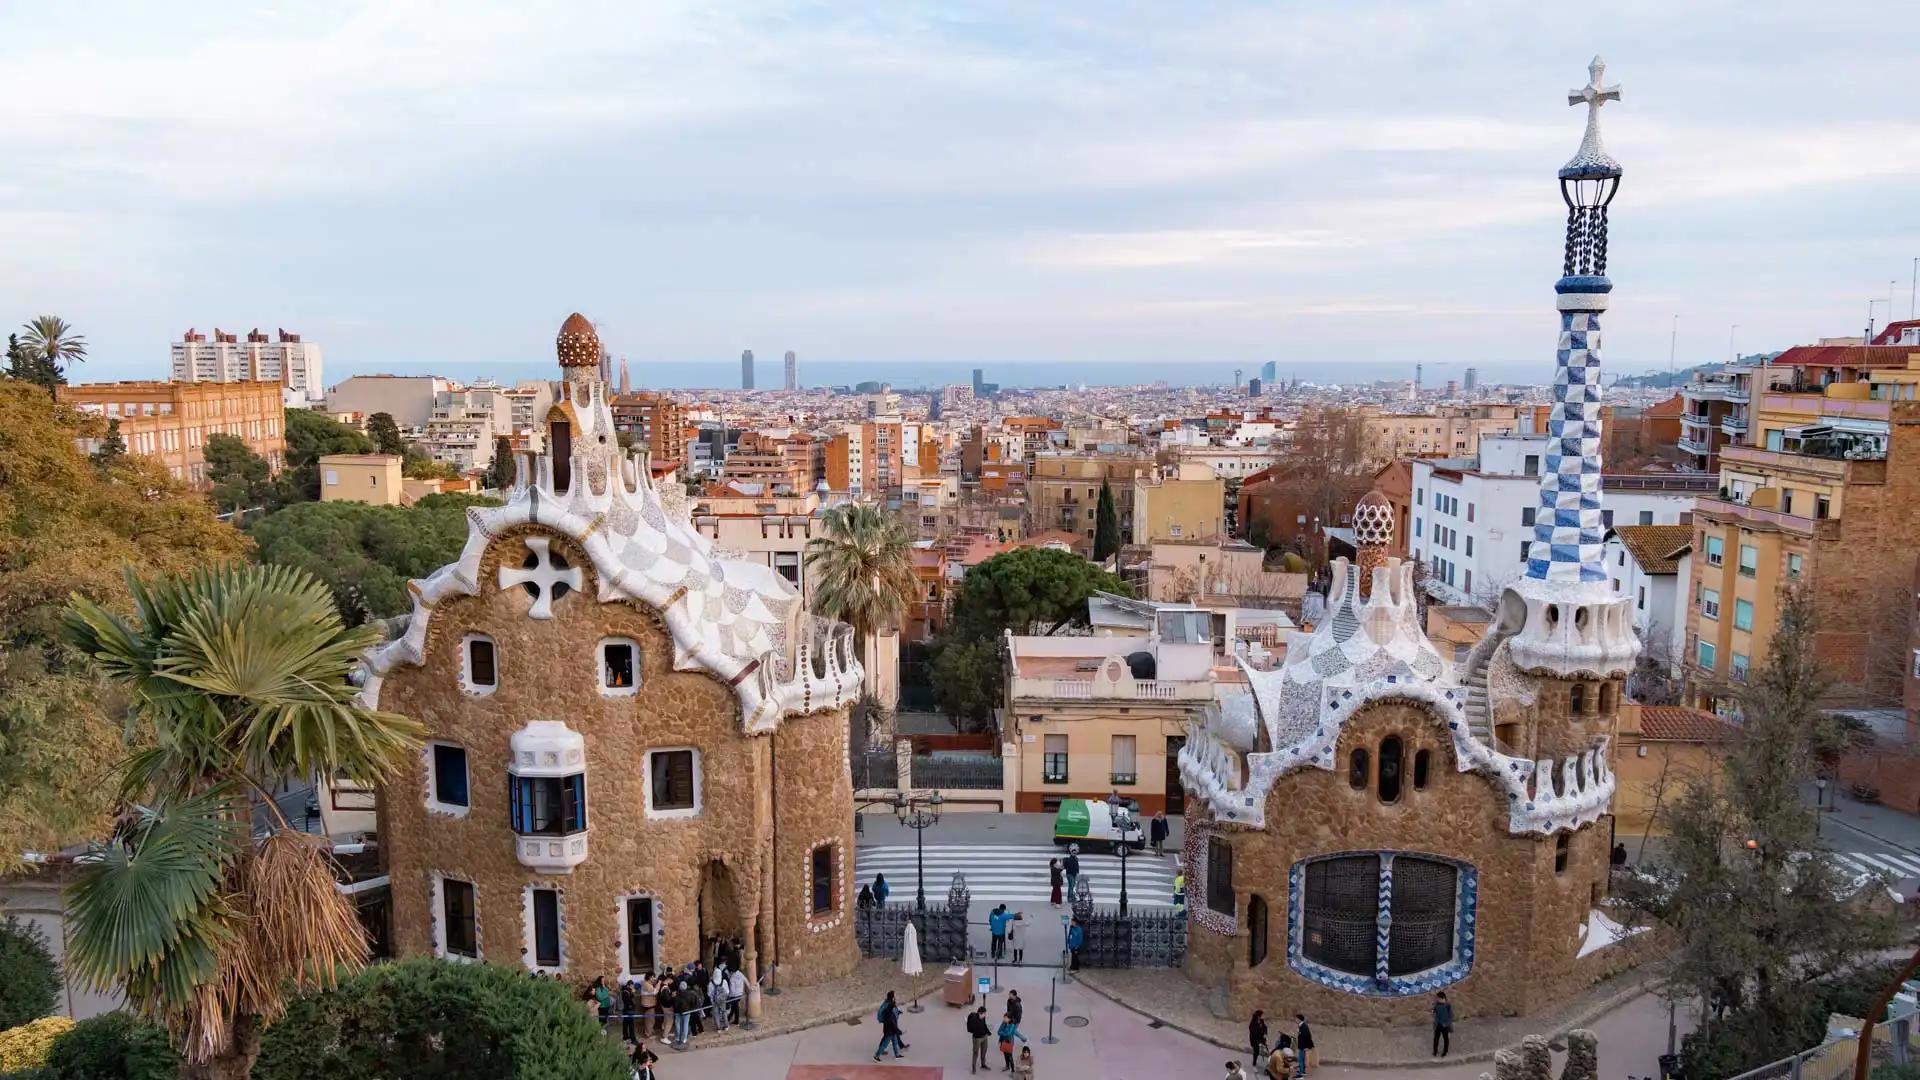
1156,691
1073,688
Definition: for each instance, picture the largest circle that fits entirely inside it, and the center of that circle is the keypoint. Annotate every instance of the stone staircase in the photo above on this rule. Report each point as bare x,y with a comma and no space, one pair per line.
1479,712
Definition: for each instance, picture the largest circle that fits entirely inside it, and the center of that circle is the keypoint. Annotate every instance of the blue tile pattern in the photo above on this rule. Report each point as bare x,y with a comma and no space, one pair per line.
1569,538
1380,984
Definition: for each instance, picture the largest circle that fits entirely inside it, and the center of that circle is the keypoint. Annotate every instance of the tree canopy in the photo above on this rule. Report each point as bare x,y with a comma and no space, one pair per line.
1029,590
422,1019
69,526
385,433
238,475
366,554
310,435
1106,526
29,979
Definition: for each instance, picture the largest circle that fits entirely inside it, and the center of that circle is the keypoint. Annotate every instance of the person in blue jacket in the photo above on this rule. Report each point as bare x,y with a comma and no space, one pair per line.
880,889
997,921
1076,937
1009,1031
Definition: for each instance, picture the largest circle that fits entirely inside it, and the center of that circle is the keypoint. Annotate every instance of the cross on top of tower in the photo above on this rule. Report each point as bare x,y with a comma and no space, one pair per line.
1591,161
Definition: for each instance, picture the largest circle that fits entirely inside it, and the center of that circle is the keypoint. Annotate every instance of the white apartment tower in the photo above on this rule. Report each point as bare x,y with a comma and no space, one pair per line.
287,360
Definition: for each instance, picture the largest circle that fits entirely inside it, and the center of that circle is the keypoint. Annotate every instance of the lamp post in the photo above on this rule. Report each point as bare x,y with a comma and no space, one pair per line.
1121,851
1819,802
919,814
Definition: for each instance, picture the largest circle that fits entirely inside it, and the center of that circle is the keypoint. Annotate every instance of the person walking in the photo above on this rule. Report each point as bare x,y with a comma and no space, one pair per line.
1076,937
1057,878
1158,831
1009,1031
717,997
1023,1068
1303,1046
1013,942
1442,1025
736,992
890,1034
627,1008
865,899
880,889
979,1032
997,930
1257,1034
1073,869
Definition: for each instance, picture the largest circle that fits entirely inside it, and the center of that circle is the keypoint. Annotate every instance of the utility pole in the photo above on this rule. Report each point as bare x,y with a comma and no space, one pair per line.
1673,343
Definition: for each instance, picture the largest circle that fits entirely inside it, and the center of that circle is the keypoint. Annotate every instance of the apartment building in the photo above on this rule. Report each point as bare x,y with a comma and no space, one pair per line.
760,459
1473,518
365,478
1825,494
409,399
1093,715
1227,462
287,360
866,458
527,406
1063,488
1187,502
464,423
653,420
1715,411
171,421
1449,431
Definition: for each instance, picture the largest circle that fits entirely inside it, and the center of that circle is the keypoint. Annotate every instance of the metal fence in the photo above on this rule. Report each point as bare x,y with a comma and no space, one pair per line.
950,770
1834,1059
942,930
1139,939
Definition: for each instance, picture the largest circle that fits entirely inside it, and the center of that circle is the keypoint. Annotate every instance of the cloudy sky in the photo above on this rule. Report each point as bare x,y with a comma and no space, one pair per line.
1189,183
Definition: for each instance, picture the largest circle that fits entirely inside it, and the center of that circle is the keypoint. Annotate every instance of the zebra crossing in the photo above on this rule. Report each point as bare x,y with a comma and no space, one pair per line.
1014,872
1880,863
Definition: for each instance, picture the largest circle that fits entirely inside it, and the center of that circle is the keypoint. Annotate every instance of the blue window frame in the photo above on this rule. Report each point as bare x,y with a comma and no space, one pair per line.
547,805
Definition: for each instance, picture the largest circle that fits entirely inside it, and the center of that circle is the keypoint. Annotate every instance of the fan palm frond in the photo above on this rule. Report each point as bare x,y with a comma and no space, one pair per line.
862,567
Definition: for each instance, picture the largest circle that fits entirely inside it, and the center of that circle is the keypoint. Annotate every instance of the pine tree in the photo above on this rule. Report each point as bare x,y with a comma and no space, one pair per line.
112,447
501,474
385,433
1106,526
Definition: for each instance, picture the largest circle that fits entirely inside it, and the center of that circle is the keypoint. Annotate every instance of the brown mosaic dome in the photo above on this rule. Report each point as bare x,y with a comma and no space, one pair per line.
578,345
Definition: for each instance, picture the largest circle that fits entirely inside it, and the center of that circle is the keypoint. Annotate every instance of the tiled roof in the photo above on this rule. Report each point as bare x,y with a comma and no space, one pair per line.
1858,356
1679,723
1892,331
1656,548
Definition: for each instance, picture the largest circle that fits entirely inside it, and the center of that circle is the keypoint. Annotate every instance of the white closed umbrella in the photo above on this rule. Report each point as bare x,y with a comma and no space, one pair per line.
910,952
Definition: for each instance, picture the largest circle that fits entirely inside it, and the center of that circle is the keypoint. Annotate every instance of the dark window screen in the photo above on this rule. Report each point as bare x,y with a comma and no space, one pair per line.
1390,769
639,935
546,928
822,879
450,775
673,780
1423,906
1342,904
1219,875
480,662
560,448
1256,930
457,897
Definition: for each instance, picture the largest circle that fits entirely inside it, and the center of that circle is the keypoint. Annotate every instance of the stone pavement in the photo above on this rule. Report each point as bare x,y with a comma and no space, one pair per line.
1170,998
1116,1044
1896,828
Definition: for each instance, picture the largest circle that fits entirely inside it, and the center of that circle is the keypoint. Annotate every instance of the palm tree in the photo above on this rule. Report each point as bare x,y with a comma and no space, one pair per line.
238,678
861,569
51,340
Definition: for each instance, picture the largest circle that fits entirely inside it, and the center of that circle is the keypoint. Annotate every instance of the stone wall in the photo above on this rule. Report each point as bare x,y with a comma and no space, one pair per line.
549,670
1528,917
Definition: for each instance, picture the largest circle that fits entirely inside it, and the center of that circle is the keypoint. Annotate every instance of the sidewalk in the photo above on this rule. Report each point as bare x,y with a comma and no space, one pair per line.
797,1009
1889,826
1168,996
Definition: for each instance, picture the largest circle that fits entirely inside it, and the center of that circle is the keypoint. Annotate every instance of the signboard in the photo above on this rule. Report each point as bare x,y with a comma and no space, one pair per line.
1026,738
983,986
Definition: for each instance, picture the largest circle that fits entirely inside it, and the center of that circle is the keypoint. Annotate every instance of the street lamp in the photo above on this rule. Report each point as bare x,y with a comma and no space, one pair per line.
919,814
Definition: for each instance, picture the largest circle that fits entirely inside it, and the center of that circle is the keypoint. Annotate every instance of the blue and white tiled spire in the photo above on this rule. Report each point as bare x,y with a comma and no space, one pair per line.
1569,536
1573,622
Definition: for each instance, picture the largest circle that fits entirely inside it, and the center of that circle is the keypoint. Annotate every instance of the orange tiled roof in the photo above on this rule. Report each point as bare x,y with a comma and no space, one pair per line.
1679,723
1656,548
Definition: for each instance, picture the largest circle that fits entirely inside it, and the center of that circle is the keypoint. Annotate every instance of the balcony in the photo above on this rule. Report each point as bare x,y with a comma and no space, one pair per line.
1830,469
1141,690
1711,391
1734,426
1723,510
1694,446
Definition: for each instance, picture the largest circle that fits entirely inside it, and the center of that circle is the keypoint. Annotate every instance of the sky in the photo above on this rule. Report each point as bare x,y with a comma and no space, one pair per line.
1196,185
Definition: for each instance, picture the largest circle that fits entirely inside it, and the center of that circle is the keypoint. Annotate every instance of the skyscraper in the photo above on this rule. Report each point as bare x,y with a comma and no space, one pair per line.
977,372
746,369
793,371
1473,378
1269,371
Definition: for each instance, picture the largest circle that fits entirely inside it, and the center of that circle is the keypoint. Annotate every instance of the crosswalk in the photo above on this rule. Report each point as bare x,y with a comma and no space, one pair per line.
1881,863
1014,872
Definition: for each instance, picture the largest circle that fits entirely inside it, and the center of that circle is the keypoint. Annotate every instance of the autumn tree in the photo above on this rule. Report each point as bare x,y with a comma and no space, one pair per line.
67,526
1326,464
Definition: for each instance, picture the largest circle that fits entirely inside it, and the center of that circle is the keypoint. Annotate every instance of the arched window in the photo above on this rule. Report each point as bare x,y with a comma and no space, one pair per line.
1357,768
560,446
1560,854
1390,754
1256,930
1606,697
1422,759
1344,902
1576,699
1342,906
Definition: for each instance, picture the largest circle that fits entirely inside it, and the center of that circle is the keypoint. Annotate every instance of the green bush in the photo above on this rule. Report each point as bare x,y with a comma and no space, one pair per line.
424,1019
29,979
113,1046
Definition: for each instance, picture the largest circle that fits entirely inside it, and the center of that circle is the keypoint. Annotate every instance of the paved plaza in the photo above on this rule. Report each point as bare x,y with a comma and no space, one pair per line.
1116,1043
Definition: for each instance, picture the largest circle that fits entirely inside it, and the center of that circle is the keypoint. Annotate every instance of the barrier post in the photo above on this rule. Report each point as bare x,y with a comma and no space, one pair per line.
1053,988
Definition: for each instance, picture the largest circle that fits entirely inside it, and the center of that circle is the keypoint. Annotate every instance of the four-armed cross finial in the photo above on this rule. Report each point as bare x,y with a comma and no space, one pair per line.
1594,94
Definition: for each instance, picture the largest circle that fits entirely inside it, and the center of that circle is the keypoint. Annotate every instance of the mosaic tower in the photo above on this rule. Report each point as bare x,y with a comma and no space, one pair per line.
1573,620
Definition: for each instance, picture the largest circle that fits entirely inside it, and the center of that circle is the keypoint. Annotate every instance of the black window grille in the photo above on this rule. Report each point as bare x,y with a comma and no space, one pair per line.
1424,895
1340,910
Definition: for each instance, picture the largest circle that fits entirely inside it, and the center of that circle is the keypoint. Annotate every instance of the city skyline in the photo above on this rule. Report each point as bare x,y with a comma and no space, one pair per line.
1218,192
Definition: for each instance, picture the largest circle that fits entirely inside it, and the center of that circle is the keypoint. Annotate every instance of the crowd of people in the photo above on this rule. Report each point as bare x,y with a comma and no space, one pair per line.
1286,1056
671,1005
1016,1055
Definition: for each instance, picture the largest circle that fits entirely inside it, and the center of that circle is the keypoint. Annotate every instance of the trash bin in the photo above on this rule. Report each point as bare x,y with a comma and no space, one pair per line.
958,987
1670,1067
